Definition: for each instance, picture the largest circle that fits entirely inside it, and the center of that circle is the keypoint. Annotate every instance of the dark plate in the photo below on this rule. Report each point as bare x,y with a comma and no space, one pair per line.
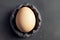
50,12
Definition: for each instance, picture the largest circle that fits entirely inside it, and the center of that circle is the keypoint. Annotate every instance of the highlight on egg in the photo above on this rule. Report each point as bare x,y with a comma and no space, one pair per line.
25,19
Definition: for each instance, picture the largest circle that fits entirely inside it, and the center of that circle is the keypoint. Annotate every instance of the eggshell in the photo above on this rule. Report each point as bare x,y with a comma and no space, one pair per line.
25,19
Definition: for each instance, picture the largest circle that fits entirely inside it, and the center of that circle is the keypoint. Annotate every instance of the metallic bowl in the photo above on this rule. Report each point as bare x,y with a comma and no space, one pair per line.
37,25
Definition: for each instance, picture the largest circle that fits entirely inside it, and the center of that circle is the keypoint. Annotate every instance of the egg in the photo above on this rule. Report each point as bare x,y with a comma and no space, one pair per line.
25,19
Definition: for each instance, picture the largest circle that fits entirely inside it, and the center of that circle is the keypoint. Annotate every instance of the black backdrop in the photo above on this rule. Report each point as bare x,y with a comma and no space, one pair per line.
50,12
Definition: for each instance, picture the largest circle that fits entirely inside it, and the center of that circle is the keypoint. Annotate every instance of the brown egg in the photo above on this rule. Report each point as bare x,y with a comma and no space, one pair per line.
25,19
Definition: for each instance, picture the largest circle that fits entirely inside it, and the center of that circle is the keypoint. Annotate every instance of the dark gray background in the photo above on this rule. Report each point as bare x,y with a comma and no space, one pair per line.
50,12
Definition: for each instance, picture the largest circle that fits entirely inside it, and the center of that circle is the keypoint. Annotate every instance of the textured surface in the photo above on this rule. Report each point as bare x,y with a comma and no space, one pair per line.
50,12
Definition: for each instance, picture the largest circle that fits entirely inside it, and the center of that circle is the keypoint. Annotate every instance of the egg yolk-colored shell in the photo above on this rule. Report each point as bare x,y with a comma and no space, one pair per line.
25,19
